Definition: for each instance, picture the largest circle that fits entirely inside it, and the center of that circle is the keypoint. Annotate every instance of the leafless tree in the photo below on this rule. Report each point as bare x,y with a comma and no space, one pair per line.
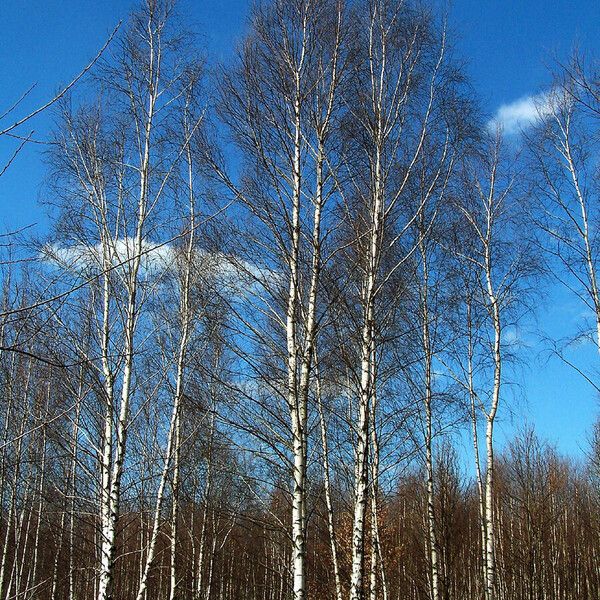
281,103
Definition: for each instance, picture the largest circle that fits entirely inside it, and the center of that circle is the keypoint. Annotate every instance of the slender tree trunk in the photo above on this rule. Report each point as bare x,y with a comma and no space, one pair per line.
295,400
156,521
475,439
583,229
327,486
367,384
73,487
428,401
489,434
112,467
12,511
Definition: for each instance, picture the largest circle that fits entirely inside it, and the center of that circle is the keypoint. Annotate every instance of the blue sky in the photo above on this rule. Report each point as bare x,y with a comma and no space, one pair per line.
507,46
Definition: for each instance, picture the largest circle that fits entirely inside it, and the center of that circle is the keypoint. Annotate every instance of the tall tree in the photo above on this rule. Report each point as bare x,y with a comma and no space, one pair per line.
280,102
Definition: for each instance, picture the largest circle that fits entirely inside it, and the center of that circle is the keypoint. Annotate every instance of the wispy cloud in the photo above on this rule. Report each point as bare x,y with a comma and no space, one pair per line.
511,336
86,258
522,113
233,272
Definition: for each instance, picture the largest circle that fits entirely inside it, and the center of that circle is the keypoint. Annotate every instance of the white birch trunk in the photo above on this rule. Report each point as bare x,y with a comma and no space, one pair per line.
112,466
428,400
327,486
475,441
583,229
367,386
491,415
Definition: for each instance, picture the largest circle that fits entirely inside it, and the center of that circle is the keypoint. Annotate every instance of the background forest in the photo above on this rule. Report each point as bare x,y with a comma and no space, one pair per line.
262,348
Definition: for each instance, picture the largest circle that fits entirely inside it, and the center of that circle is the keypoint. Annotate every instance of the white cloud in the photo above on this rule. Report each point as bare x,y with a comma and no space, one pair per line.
86,258
516,116
511,336
157,259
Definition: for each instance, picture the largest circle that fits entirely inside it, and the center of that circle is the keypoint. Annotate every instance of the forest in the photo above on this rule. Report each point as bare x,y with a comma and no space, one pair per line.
262,350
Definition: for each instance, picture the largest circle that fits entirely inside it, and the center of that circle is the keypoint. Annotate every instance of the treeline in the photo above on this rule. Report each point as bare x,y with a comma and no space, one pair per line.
263,347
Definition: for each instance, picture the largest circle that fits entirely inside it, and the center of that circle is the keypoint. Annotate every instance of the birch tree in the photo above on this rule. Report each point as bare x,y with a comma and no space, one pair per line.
398,80
500,258
122,199
563,159
280,103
